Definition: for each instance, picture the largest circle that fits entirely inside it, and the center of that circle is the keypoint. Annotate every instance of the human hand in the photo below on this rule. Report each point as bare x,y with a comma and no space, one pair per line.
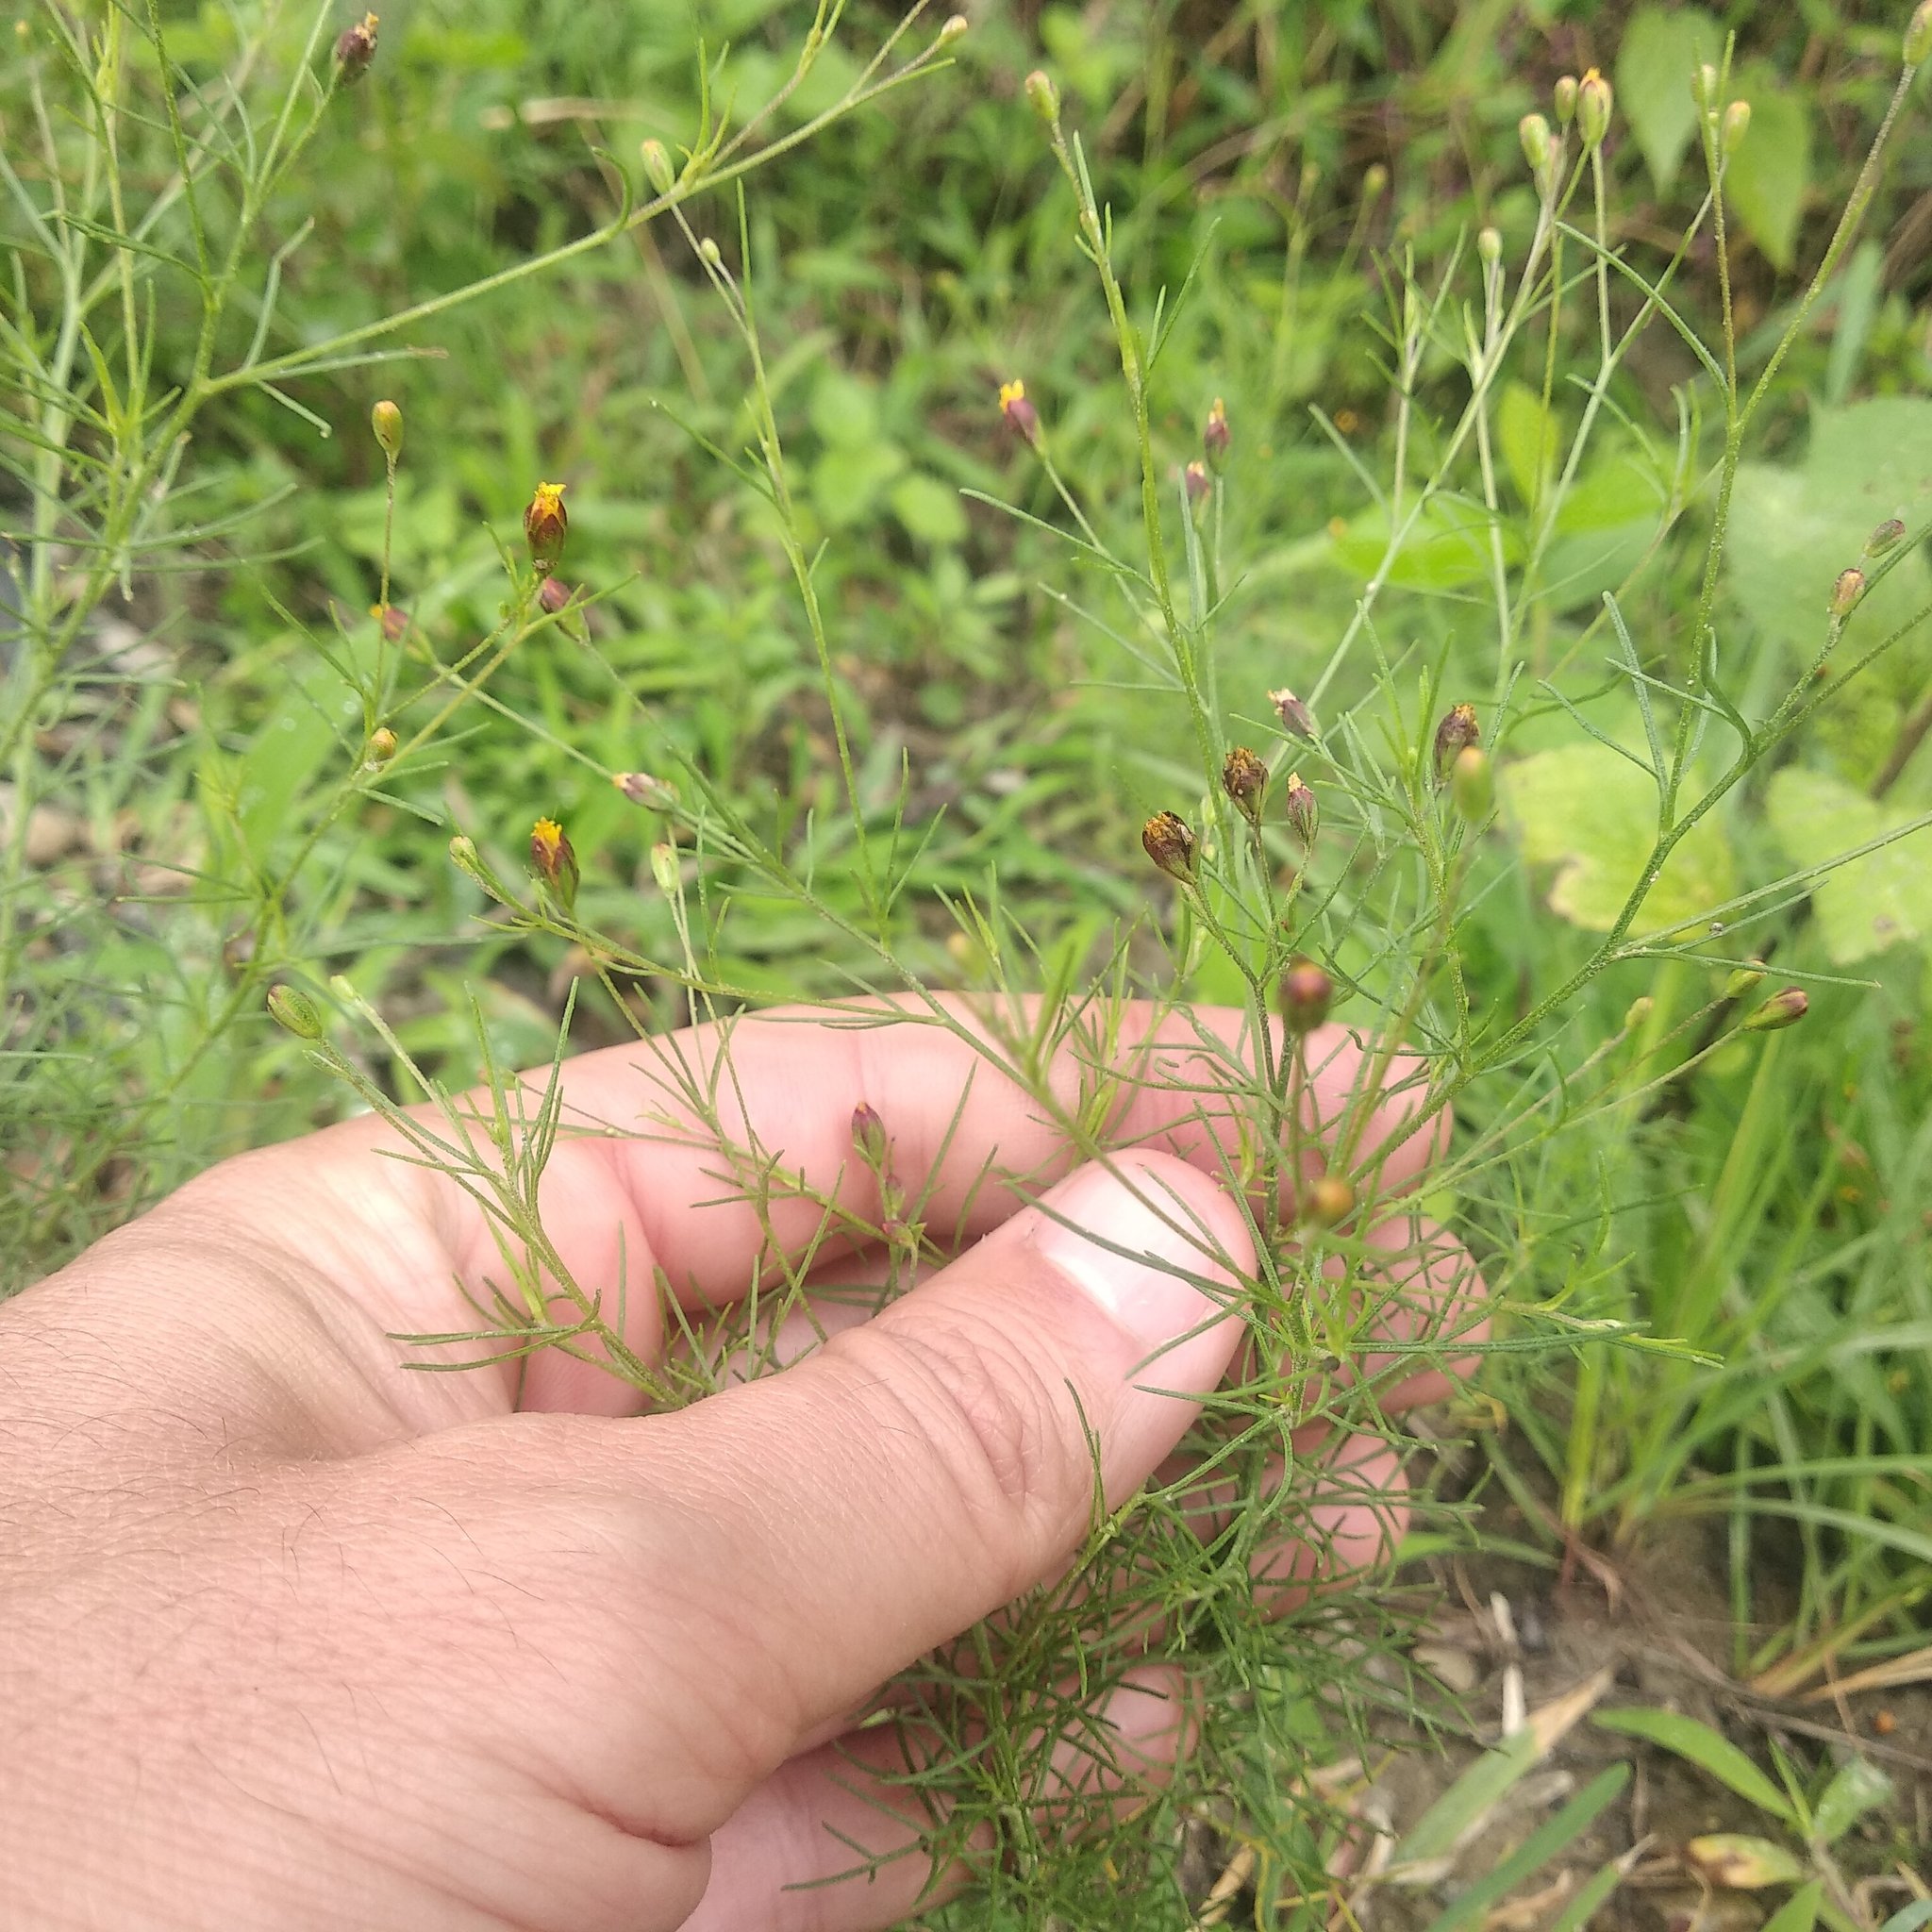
291,1636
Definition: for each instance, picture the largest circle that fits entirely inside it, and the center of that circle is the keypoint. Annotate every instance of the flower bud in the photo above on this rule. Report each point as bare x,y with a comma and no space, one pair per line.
1170,844
869,1139
1737,124
355,50
1565,100
1044,96
554,595
1296,719
554,861
1307,994
1329,1201
1593,103
468,860
1457,731
1919,34
664,869
1244,779
1744,979
641,787
1639,1012
1374,183
1533,132
382,746
1195,481
1704,83
1488,246
1216,436
545,527
1298,805
395,622
1472,786
1022,418
1847,592
957,24
1784,1008
386,418
294,1012
658,169
710,253
1886,537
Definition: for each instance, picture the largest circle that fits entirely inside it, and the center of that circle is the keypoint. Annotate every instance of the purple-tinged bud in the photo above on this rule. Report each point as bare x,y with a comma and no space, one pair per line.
1170,844
1216,437
294,1012
641,787
1457,731
553,860
395,622
1783,1008
355,50
1022,418
1885,538
385,419
1307,994
869,1139
1195,481
1299,808
1244,779
1296,719
554,595
1847,592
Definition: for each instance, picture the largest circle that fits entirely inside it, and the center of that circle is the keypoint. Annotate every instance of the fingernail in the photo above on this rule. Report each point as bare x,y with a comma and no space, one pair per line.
1139,1240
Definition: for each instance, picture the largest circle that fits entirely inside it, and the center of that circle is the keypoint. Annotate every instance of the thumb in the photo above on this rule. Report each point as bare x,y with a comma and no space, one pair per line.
926,1468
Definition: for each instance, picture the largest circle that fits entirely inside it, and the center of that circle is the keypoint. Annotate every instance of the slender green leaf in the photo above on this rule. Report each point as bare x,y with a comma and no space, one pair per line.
1799,1913
1702,1746
1470,1799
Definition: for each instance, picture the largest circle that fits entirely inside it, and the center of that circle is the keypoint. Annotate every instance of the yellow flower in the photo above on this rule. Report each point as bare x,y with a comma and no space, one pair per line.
554,861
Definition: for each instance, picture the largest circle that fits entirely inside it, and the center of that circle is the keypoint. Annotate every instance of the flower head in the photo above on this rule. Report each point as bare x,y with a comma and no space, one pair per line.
1299,808
1296,719
553,860
1457,731
1216,437
1170,844
355,50
545,526
1022,418
1244,779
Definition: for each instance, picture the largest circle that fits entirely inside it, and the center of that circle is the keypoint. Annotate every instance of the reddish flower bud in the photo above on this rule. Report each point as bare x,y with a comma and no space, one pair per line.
1298,805
1307,994
1329,1201
1886,537
1457,731
1195,480
1244,779
1170,844
546,526
869,1136
553,860
1783,1008
355,50
660,795
1296,719
1216,437
553,595
1022,418
395,622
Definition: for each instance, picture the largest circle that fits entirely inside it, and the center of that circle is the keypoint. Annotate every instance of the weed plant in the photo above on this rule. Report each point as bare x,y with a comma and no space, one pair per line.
1547,661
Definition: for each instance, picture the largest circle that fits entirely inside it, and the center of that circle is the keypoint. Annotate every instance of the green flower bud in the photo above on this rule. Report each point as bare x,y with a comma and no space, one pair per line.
658,169
1744,979
1565,100
1044,96
1783,1008
1594,102
387,421
294,1012
1538,148
1737,124
1919,34
1489,245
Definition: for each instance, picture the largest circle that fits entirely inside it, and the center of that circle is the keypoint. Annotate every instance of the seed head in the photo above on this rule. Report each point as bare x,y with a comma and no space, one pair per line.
355,50
1457,731
554,595
1919,34
1472,786
546,526
1737,124
386,418
1847,592
1244,779
1565,100
1886,537
1784,1008
1296,719
1044,96
869,1139
1594,102
1329,1201
1298,805
554,861
294,1012
1022,418
641,787
658,169
1216,436
1307,994
1170,844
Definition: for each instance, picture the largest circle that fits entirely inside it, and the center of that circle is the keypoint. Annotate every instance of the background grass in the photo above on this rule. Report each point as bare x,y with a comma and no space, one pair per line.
1770,1208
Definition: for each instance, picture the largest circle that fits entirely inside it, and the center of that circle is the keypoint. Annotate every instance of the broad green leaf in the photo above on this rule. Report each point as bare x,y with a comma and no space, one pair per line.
846,482
1799,1913
1794,530
1526,435
1871,903
1859,1788
1770,175
1592,815
929,509
1446,549
1470,1799
1703,1747
1660,51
